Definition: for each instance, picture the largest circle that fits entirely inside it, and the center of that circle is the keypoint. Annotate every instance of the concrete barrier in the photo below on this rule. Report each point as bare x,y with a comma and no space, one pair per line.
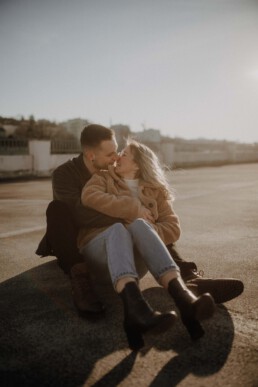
11,163
41,162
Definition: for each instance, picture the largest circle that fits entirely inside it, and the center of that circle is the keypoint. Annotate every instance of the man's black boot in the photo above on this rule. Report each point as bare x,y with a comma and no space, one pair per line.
222,290
84,297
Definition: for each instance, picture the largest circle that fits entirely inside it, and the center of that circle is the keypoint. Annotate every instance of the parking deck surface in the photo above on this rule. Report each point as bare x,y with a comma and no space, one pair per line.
44,343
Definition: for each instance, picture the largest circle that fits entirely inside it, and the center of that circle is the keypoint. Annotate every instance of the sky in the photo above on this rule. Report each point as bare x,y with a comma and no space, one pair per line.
186,67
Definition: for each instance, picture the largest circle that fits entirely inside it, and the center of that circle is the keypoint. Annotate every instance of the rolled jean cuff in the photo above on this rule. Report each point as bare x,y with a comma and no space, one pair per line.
125,275
166,270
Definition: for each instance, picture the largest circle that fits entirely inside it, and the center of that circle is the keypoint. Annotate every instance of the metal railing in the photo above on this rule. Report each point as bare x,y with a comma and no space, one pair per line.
9,146
65,146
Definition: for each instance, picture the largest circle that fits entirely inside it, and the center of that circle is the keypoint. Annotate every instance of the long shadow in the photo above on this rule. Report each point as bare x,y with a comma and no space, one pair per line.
118,373
42,340
201,358
44,343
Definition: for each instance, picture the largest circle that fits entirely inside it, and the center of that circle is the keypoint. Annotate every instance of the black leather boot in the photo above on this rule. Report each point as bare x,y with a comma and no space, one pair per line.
192,309
222,289
139,317
85,299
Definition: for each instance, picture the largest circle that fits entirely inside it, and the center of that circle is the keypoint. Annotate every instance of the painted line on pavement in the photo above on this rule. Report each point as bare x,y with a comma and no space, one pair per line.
21,231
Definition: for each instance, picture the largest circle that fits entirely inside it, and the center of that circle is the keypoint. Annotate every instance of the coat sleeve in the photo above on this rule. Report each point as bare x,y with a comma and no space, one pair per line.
67,188
95,195
167,224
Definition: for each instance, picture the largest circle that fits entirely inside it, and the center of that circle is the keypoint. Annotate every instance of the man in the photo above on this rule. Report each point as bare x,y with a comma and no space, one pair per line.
66,215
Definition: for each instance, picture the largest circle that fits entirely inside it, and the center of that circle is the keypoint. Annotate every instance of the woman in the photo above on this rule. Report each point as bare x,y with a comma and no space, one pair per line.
136,191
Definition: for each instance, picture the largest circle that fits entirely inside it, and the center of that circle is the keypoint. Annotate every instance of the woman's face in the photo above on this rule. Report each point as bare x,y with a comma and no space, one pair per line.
126,166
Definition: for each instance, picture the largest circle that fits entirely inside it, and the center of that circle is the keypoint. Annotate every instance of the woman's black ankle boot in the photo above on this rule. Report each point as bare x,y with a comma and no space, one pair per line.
139,317
192,309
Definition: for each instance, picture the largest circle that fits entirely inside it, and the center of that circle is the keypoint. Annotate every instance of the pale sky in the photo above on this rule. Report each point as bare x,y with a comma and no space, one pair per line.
186,67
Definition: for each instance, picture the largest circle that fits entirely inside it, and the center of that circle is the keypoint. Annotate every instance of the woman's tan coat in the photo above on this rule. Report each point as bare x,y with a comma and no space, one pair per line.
107,193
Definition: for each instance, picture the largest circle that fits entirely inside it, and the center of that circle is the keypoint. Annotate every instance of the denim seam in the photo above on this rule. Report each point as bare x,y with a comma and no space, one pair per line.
167,269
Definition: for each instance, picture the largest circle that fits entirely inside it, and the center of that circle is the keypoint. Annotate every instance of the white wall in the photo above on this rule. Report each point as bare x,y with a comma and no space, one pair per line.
199,157
40,151
168,151
40,161
56,160
14,163
173,158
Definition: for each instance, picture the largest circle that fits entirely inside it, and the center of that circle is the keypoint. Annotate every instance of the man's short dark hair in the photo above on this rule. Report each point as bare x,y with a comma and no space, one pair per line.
93,134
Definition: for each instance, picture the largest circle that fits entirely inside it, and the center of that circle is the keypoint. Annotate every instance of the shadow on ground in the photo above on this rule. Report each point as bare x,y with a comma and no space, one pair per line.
44,343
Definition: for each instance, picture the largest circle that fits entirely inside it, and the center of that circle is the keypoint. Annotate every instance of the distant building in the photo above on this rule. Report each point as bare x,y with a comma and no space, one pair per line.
122,132
75,126
149,135
167,148
2,132
151,138
9,129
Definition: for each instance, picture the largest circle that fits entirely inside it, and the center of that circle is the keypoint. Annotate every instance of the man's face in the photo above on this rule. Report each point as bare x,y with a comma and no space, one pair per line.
105,154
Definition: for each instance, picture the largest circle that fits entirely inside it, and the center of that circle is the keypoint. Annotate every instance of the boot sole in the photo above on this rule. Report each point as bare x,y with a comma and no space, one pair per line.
164,325
227,290
135,333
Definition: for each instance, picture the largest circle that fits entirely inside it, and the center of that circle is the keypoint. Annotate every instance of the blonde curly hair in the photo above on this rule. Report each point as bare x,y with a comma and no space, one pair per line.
150,169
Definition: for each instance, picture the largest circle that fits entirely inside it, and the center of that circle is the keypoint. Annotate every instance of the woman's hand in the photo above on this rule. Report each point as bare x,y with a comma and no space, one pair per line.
146,214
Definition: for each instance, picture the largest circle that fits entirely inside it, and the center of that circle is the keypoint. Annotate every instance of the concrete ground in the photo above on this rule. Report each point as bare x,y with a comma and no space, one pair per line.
44,343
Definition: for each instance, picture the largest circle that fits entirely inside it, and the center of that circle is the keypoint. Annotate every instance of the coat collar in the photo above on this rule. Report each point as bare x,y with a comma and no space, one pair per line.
82,167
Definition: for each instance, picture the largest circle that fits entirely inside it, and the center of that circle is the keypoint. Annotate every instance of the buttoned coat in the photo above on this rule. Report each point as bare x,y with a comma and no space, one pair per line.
107,193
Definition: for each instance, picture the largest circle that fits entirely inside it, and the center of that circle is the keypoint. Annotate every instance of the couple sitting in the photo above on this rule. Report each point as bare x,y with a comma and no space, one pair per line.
124,223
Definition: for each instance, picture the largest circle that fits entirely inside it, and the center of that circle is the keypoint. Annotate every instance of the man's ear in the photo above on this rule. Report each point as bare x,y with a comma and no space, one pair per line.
89,154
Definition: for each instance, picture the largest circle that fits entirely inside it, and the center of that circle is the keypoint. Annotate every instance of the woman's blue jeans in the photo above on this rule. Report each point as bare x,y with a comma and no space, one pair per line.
130,251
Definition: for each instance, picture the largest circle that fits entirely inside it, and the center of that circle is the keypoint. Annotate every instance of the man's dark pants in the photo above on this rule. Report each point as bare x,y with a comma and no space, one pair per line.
60,239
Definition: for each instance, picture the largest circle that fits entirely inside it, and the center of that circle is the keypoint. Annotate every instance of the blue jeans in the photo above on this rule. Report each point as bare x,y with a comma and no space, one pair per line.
120,252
